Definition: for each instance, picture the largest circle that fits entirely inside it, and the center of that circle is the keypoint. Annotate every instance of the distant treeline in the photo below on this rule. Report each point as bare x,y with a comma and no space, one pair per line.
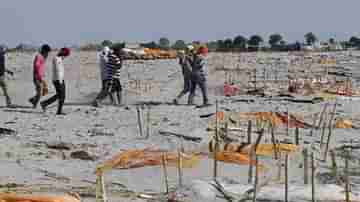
239,43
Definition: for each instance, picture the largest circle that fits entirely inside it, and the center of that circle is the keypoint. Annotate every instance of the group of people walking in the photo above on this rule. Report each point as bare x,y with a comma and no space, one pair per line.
39,69
193,68
110,62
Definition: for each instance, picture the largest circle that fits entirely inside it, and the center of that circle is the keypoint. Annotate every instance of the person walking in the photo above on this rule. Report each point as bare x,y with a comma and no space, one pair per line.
198,76
185,61
3,70
58,81
116,61
112,78
103,59
39,67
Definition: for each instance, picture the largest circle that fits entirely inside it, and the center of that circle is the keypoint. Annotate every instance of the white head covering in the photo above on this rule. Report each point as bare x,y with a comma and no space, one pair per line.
106,50
3,49
190,47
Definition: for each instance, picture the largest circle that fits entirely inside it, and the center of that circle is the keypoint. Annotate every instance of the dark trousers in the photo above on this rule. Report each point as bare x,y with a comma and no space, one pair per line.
5,90
116,89
38,92
198,80
105,91
187,87
60,96
110,88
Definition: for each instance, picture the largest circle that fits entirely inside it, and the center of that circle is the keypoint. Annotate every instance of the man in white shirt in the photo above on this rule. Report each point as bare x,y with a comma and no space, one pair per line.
58,81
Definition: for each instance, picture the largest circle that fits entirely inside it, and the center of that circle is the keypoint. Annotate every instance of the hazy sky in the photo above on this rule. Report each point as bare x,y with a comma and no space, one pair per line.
67,22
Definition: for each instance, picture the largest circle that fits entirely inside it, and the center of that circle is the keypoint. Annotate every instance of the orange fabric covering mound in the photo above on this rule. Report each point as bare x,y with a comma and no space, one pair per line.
6,197
343,123
276,119
234,157
142,158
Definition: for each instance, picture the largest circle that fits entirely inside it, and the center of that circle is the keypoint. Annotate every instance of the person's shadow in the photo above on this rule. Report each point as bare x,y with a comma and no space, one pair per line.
20,109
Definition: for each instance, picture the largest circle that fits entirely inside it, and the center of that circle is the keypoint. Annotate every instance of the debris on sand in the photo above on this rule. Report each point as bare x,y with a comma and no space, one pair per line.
7,131
83,155
98,132
59,145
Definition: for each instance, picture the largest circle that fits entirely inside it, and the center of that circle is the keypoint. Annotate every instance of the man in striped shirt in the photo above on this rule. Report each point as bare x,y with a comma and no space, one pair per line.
112,78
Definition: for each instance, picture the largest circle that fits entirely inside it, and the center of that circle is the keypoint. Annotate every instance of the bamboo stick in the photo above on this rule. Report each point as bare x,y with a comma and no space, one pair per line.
322,135
100,188
216,140
330,131
250,171
258,140
297,136
322,115
252,153
180,174
313,125
306,166
286,177
313,197
148,122
255,81
256,178
288,122
249,131
279,163
165,173
347,185
139,120
273,140
333,162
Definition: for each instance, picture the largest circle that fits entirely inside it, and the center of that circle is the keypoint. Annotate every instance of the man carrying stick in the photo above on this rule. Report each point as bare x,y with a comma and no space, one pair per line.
58,81
3,70
185,61
198,76
39,74
112,80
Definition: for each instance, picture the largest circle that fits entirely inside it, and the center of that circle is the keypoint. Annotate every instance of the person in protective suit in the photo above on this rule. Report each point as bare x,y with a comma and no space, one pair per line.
185,61
198,76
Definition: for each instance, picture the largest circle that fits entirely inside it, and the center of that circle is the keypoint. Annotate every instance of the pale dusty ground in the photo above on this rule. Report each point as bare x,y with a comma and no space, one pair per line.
25,159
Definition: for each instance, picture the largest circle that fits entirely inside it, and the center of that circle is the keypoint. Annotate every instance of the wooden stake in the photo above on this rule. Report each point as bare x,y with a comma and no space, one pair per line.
333,162
252,153
139,120
288,122
273,140
250,172
255,79
322,115
256,178
347,185
322,135
165,173
297,136
313,125
279,167
330,131
306,166
100,188
313,197
249,131
216,140
258,140
286,177
180,168
148,122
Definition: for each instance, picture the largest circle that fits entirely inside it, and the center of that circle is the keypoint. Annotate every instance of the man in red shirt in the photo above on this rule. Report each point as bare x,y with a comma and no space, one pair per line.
39,73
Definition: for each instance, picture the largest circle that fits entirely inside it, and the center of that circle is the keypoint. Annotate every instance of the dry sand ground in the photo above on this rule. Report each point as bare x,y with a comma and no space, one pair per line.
25,158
